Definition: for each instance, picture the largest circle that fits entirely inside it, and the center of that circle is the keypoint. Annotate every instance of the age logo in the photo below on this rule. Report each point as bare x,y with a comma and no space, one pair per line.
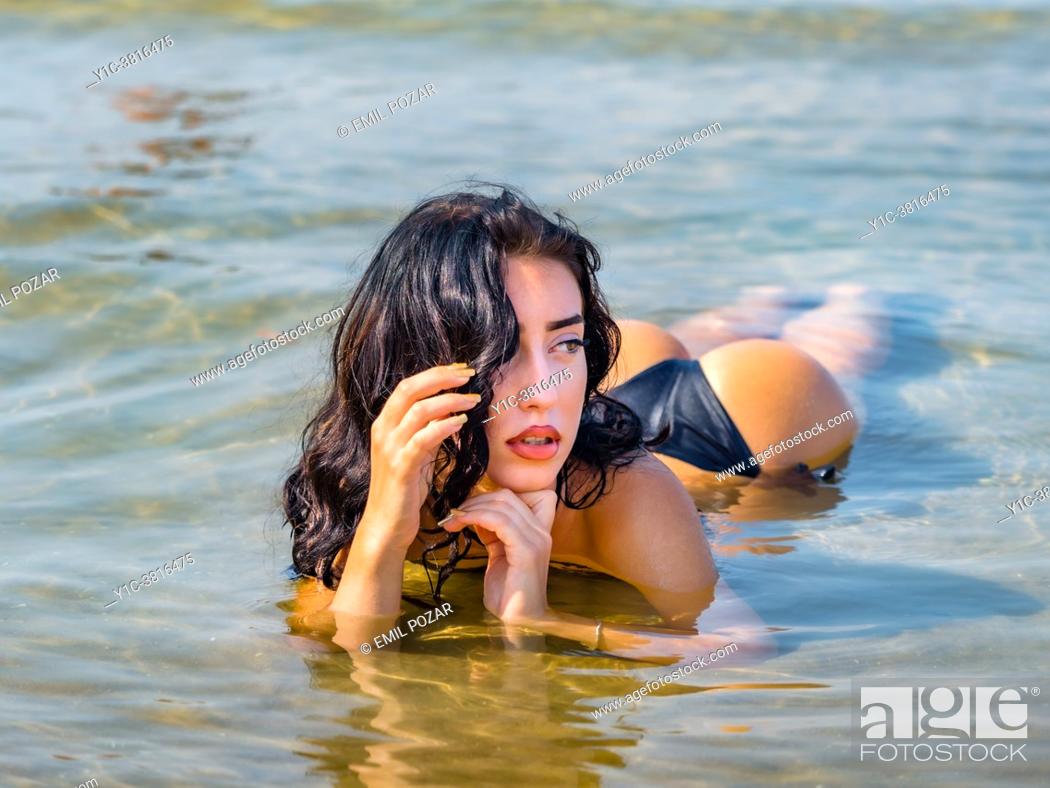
932,720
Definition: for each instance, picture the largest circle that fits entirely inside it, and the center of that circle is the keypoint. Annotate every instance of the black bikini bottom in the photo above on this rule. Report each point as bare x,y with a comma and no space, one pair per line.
675,393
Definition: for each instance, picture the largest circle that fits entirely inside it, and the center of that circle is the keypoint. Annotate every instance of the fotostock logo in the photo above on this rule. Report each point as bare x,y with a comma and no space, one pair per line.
933,720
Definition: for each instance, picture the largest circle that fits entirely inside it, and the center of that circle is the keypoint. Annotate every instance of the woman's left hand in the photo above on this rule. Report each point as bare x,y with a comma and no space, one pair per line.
516,531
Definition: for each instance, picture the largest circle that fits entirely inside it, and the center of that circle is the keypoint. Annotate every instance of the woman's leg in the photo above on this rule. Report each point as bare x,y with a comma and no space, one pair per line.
847,334
759,312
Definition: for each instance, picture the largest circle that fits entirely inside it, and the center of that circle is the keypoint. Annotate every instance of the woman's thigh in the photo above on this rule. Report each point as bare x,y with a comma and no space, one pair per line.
773,390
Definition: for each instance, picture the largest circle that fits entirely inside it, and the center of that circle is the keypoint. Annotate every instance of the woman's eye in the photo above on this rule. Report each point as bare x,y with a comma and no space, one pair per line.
574,345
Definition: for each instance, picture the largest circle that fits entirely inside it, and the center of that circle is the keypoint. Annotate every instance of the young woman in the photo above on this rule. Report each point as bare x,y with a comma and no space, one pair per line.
474,417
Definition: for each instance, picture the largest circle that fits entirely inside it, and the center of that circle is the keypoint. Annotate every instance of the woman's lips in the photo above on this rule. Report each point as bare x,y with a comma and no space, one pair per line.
536,451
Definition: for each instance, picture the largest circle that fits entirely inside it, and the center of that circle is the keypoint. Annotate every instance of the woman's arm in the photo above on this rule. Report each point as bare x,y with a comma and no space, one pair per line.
663,646
367,601
647,533
404,439
372,576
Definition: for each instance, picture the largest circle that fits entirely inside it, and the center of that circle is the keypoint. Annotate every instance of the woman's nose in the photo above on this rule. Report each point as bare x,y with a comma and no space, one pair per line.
540,389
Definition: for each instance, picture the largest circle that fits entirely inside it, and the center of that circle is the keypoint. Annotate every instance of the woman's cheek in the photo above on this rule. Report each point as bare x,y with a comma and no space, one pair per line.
577,385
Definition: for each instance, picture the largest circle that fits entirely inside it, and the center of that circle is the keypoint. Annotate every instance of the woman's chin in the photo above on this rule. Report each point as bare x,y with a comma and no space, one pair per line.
519,480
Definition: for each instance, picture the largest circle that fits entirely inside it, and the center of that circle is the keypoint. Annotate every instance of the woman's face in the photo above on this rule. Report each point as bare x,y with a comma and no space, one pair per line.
529,442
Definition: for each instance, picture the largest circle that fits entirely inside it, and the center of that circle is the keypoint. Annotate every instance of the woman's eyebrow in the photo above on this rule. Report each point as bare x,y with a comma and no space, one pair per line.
565,321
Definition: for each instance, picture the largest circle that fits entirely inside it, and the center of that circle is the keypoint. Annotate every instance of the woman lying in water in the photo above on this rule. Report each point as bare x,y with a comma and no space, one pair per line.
475,417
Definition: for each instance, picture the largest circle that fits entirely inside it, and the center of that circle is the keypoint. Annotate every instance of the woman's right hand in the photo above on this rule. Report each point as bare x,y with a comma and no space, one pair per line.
405,438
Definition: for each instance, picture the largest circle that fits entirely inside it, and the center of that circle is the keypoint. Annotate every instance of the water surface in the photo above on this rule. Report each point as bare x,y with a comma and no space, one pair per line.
202,200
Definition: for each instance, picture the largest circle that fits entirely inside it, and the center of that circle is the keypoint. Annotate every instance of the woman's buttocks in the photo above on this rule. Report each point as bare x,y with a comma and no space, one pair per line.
773,390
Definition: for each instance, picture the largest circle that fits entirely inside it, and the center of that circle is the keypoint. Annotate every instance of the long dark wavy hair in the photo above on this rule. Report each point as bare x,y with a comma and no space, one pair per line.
434,293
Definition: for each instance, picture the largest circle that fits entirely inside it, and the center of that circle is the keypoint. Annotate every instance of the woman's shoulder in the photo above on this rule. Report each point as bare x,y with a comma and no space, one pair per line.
646,530
634,487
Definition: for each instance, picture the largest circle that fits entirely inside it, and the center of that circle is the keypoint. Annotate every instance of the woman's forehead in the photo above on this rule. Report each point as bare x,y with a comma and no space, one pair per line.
543,288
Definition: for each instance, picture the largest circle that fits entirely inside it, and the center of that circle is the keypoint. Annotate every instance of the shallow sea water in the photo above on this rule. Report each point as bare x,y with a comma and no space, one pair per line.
202,200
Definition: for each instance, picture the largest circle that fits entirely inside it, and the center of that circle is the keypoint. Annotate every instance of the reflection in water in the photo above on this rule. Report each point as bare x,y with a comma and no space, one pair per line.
513,710
148,104
790,496
468,688
115,191
733,511
448,693
167,149
759,545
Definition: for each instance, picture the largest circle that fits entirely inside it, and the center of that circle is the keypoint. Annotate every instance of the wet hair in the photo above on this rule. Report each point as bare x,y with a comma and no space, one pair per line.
434,293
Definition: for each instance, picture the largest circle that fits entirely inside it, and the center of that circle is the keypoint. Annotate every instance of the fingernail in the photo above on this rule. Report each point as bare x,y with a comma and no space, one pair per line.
466,371
458,364
461,418
454,513
475,397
